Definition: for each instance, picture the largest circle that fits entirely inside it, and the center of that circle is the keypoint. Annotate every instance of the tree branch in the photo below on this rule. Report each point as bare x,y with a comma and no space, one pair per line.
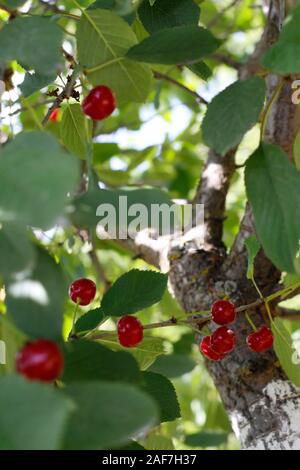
65,94
167,78
99,269
212,192
219,15
227,60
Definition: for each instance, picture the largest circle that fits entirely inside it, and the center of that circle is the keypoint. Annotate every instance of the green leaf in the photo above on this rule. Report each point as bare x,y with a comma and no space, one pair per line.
167,13
173,365
202,70
76,130
284,56
16,252
184,344
111,37
122,7
107,415
145,352
158,442
35,301
177,45
206,439
33,416
290,31
34,82
287,355
35,178
104,151
89,321
14,3
253,247
163,392
87,360
134,291
272,185
40,50
239,106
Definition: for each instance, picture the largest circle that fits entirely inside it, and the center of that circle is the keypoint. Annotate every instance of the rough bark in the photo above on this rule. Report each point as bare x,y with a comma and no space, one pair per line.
264,407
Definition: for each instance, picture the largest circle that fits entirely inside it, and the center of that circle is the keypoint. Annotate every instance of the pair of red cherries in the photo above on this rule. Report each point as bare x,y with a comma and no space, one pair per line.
130,329
43,360
223,340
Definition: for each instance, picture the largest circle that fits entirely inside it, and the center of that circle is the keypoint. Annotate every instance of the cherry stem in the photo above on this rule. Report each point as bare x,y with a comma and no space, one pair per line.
167,78
268,107
250,321
75,316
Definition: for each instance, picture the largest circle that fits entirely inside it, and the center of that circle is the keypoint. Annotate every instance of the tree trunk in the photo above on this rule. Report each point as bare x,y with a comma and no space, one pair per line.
263,406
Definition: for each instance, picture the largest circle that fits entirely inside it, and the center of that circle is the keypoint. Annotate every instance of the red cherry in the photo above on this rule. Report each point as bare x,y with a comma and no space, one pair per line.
130,331
82,291
40,360
207,351
261,340
54,116
223,312
223,340
99,103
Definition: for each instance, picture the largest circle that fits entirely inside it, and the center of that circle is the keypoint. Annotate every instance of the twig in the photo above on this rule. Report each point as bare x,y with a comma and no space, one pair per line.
58,11
99,269
167,78
23,108
65,94
219,15
227,60
200,320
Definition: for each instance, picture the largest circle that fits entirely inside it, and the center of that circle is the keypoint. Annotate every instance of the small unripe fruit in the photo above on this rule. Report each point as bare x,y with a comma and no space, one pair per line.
130,331
82,291
54,116
40,360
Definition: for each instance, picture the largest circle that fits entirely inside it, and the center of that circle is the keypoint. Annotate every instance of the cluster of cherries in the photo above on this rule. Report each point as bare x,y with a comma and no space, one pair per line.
223,339
43,360
98,104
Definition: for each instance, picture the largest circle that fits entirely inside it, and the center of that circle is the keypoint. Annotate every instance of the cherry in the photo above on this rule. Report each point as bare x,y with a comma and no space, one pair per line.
130,331
82,291
207,351
223,312
40,360
223,340
99,103
261,340
54,116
